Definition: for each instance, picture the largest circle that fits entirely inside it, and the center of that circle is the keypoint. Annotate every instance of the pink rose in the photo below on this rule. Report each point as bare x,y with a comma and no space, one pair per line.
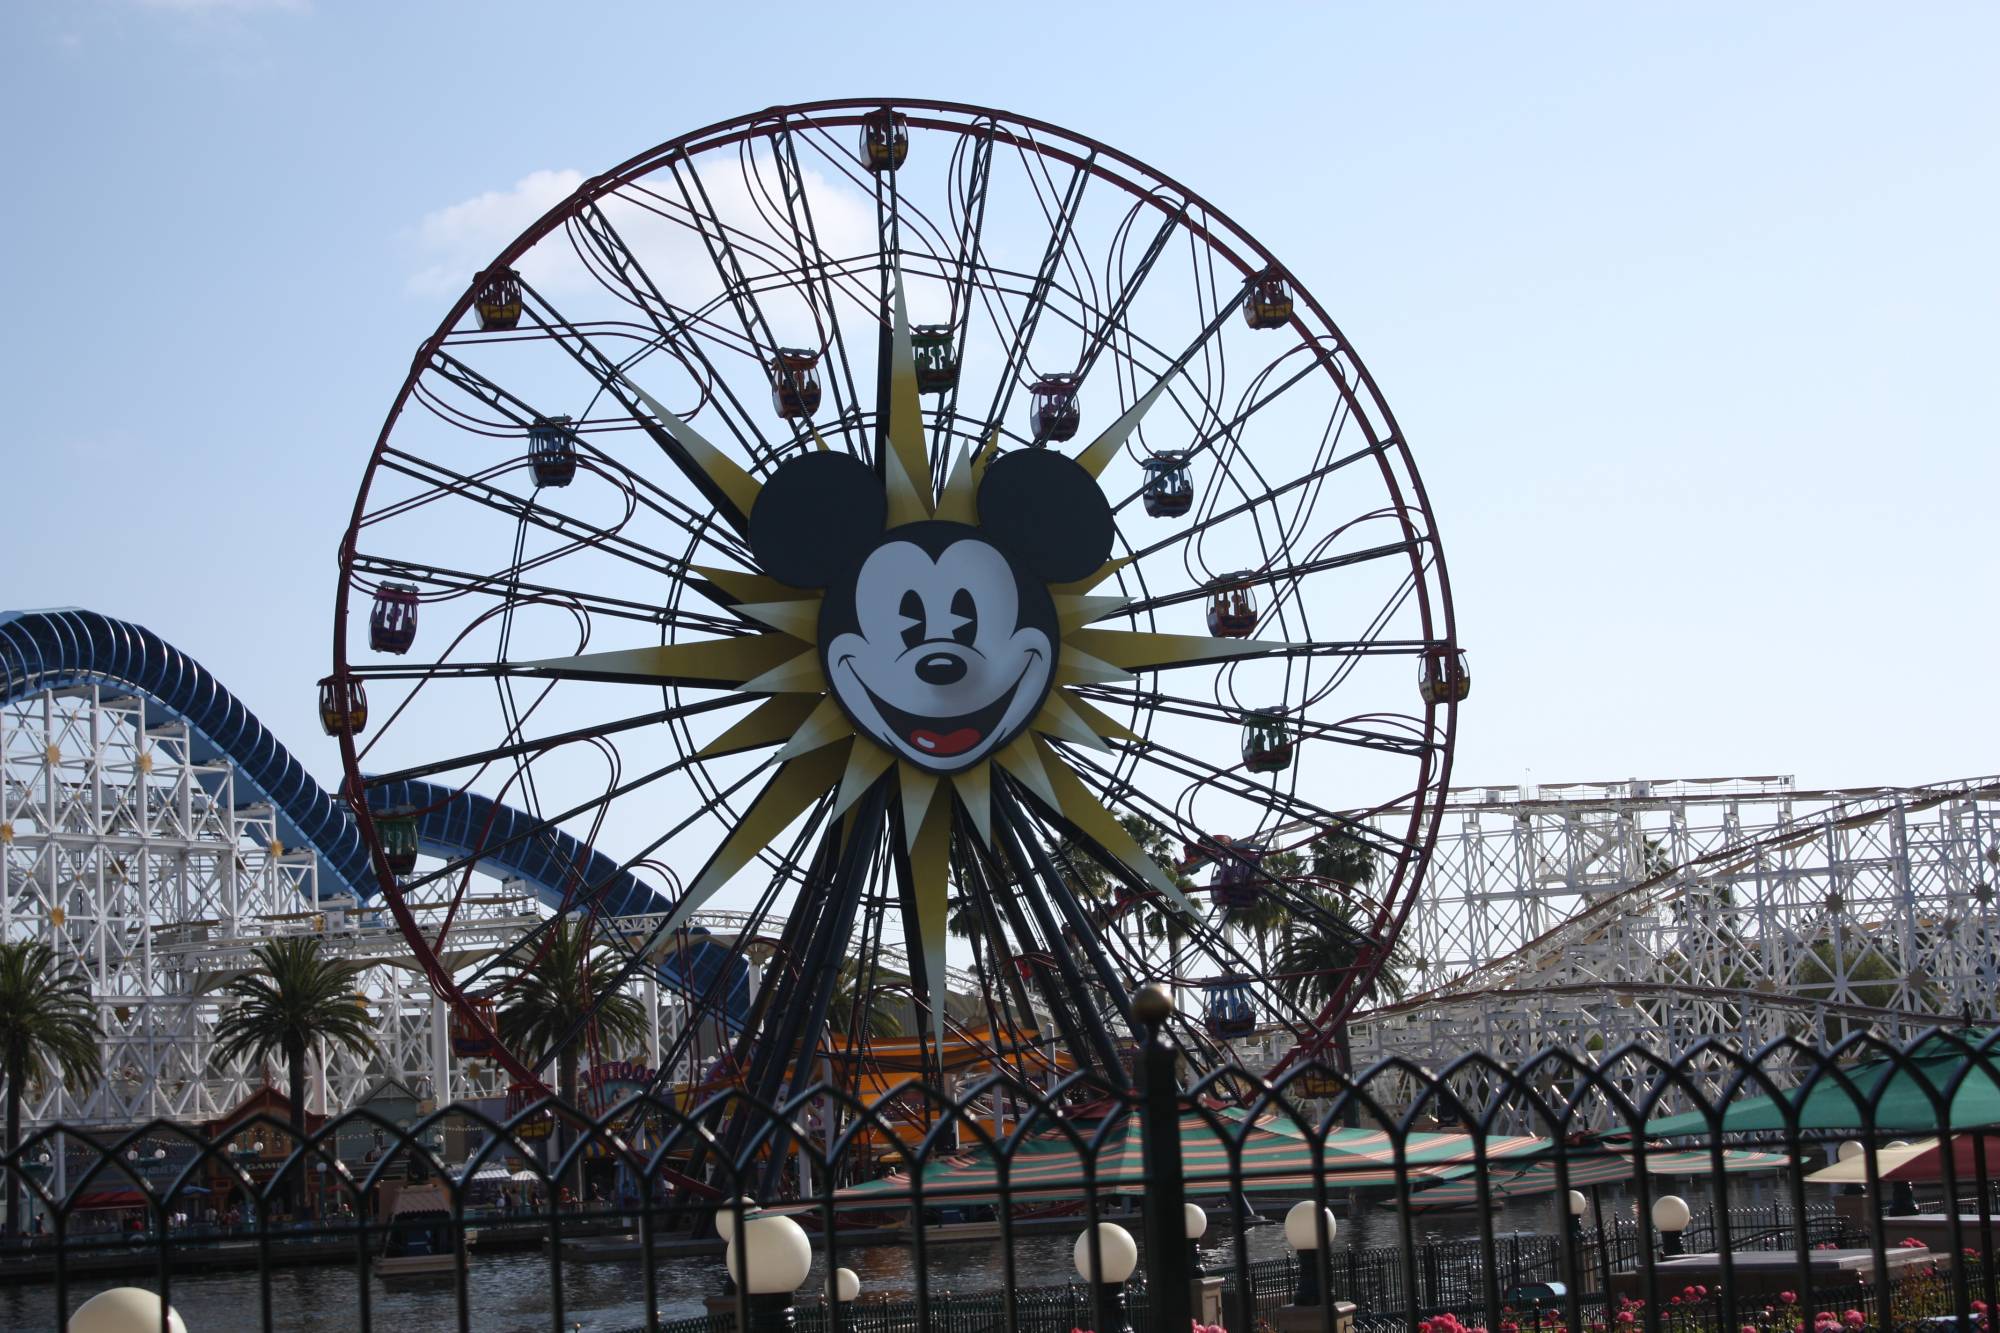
1788,1298
1625,1317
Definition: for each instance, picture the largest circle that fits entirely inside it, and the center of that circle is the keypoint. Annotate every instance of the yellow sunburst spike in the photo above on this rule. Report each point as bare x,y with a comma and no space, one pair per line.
975,791
1074,612
800,619
798,675
867,762
1020,759
1075,667
827,724
1106,446
1082,808
1102,723
1138,651
1058,719
930,864
917,788
907,466
731,480
707,662
791,789
768,723
1084,585
959,503
745,586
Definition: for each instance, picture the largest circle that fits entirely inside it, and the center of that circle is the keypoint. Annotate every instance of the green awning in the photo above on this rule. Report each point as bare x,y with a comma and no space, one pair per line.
1588,1168
1902,1097
1046,1167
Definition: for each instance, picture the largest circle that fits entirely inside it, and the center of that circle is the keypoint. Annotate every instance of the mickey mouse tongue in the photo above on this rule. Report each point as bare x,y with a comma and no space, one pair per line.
947,744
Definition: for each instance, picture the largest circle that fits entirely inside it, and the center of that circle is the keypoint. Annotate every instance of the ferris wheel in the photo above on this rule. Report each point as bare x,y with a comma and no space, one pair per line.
938,538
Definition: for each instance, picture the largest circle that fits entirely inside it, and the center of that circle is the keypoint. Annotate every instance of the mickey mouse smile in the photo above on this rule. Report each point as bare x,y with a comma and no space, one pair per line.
946,737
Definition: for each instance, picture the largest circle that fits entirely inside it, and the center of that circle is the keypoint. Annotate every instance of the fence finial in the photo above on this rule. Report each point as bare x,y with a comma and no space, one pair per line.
1153,1005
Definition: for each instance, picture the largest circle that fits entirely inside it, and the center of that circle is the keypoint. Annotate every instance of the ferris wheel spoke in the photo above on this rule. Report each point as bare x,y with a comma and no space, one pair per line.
534,512
1194,530
553,741
813,261
1061,228
1286,574
507,585
1115,317
1338,733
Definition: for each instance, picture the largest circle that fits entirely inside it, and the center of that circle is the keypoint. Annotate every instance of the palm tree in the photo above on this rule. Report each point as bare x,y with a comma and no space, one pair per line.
297,997
880,1008
48,1027
560,1000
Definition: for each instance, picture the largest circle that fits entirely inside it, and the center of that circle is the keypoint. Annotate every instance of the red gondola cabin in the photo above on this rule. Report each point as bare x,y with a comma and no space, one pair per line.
1054,416
467,1041
795,383
1237,882
1268,742
1232,611
392,625
885,140
498,300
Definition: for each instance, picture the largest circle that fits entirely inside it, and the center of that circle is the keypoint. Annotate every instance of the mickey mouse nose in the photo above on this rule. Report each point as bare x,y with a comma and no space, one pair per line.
941,669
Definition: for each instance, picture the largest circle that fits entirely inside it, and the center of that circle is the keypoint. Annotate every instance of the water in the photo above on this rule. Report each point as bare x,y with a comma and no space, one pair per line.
510,1292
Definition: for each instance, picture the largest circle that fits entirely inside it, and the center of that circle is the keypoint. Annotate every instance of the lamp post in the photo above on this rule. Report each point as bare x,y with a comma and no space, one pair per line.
1850,1151
770,1265
1119,1254
1196,1226
1303,1234
1902,1194
846,1286
1671,1216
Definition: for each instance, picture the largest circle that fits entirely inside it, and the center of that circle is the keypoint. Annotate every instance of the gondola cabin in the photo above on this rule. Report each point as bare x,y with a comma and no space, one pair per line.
885,140
1169,490
552,451
795,383
498,300
1232,611
343,706
1237,882
467,1041
398,831
1230,1010
392,624
1268,302
1054,414
1268,741
937,364
1444,676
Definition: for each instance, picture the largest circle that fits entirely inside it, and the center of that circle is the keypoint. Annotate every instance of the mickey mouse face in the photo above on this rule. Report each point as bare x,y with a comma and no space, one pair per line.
939,640
946,652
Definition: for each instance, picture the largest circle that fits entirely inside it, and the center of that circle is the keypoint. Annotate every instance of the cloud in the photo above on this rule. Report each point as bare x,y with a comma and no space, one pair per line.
460,239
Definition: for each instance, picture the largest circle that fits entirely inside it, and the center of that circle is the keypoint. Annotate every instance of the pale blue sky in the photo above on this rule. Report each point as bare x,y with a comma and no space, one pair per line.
1688,311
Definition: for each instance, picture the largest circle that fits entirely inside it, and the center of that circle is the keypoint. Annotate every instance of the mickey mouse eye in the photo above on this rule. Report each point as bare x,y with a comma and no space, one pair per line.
911,608
967,612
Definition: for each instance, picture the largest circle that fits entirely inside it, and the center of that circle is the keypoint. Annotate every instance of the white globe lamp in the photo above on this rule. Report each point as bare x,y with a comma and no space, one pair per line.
1118,1253
846,1285
773,1259
123,1310
1302,1234
1671,1216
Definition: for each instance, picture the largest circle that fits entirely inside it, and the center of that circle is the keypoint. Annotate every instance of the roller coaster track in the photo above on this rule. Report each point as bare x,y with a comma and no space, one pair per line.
54,650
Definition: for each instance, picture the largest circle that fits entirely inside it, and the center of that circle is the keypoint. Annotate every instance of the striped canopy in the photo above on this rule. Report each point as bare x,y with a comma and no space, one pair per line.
1588,1166
1047,1167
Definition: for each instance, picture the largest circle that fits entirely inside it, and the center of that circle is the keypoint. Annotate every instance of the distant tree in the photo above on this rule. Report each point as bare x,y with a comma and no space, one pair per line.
558,1000
48,1030
296,996
880,1008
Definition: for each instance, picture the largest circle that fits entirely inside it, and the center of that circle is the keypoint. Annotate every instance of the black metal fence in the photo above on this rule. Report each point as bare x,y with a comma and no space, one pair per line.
1415,1216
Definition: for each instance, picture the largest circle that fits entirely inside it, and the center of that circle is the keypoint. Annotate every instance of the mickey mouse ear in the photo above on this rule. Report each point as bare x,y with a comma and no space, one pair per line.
816,516
1047,512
